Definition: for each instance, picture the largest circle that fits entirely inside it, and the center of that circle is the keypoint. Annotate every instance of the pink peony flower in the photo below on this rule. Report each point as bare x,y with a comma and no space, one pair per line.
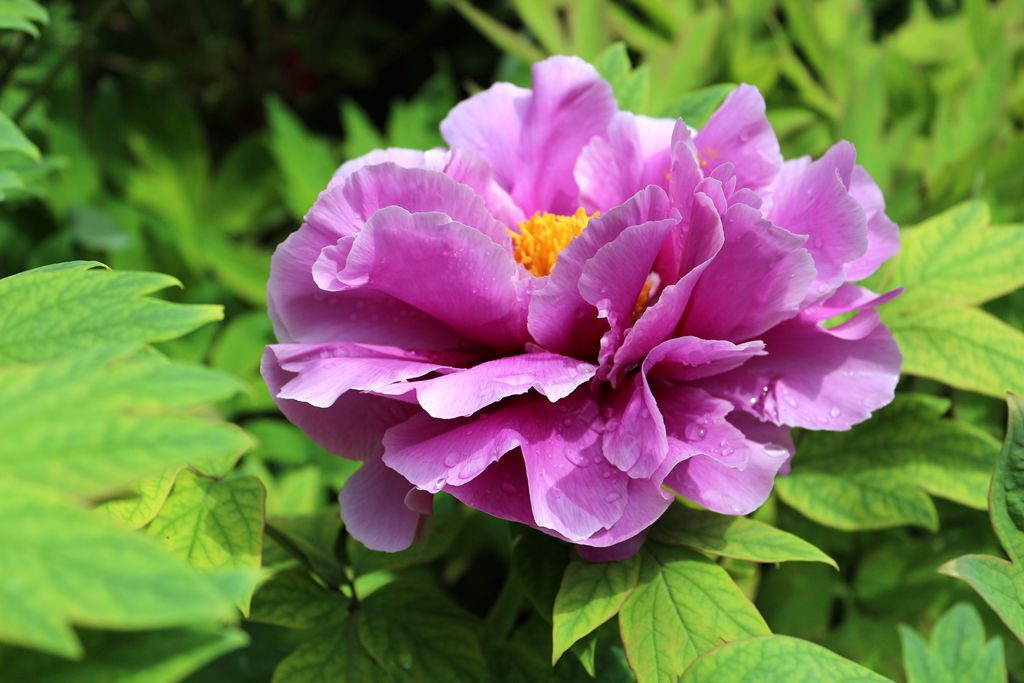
574,312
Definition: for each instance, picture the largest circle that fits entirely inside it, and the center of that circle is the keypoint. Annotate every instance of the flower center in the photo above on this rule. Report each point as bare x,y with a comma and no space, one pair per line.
542,238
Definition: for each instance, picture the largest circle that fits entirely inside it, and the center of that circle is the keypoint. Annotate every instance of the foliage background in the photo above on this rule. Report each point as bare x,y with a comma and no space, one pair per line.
162,522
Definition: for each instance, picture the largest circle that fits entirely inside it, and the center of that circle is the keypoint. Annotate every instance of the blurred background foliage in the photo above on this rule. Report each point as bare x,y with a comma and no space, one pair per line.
190,137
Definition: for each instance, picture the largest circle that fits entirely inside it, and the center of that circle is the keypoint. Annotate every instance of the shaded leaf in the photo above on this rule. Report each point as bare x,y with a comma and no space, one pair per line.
958,652
738,537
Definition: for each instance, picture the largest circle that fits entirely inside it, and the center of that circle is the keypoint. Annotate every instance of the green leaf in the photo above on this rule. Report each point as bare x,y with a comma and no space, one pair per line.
416,634
777,659
957,258
962,346
214,524
306,161
539,561
146,499
331,654
1006,501
314,538
879,473
631,86
293,600
12,140
51,312
165,656
121,418
958,652
738,537
684,605
999,583
591,593
62,565
696,107
541,17
498,33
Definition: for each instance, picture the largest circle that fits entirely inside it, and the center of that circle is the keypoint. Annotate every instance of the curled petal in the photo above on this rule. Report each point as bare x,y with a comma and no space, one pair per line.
739,134
352,427
374,508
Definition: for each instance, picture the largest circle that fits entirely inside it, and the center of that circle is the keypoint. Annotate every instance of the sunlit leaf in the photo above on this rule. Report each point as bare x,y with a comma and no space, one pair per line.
957,653
737,537
684,605
777,659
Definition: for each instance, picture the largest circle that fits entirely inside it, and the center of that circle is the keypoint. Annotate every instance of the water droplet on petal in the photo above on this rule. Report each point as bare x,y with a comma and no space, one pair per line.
835,412
509,488
694,432
612,497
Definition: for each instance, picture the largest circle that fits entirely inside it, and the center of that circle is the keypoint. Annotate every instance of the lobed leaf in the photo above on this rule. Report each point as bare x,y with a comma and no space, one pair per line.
1006,498
998,582
878,474
119,419
741,538
958,652
214,524
332,653
415,634
777,659
166,656
684,605
63,565
591,593
51,312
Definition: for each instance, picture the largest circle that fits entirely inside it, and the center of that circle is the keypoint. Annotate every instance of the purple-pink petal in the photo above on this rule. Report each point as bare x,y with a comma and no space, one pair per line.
739,134
374,508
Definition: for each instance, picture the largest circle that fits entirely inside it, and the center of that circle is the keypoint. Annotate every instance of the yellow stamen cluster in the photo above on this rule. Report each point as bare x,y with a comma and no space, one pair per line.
542,238
641,301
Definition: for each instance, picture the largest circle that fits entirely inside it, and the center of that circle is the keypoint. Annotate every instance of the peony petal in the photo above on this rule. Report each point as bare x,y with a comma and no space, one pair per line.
634,437
326,371
696,425
463,393
416,190
883,234
758,279
465,166
302,312
645,503
814,377
443,268
739,133
696,246
374,509
490,124
502,490
353,427
813,199
730,490
560,319
614,277
685,359
613,553
633,155
574,490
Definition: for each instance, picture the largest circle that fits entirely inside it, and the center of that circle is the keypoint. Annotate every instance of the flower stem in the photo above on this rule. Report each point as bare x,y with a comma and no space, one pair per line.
502,616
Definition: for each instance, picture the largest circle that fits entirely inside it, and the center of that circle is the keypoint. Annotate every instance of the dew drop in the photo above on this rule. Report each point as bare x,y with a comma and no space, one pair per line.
404,660
694,432
509,488
835,412
612,497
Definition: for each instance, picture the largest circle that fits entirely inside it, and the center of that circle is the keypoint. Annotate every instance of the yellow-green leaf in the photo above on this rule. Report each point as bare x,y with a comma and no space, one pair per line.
591,593
684,605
